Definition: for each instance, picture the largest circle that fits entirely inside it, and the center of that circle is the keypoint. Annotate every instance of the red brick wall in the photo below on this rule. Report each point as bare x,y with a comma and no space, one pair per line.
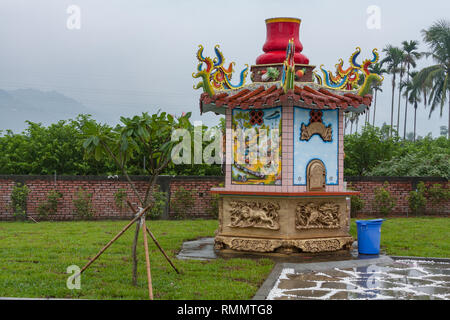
103,190
400,189
200,189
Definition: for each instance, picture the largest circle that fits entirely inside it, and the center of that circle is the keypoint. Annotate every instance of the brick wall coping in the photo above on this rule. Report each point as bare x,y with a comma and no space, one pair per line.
169,177
20,178
393,178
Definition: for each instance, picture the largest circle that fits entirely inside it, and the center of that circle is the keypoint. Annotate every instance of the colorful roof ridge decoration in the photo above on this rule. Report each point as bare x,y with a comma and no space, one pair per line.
258,96
287,82
288,77
348,79
216,76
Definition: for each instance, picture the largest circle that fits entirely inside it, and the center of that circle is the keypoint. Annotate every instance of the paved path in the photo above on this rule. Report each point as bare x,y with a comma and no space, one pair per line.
380,278
356,277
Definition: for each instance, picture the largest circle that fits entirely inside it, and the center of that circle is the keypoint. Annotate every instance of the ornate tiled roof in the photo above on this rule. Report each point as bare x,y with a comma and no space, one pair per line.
269,95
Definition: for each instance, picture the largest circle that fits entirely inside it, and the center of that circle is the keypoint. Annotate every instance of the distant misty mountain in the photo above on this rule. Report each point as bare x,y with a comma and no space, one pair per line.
17,106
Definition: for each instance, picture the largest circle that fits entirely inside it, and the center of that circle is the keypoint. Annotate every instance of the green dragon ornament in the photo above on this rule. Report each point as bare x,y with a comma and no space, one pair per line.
347,79
216,76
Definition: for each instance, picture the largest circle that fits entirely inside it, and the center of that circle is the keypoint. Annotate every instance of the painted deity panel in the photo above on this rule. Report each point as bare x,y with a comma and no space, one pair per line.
316,137
256,146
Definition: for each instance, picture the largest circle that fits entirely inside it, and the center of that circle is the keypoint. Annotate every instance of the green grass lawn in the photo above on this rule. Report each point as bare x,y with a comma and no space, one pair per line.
34,259
419,237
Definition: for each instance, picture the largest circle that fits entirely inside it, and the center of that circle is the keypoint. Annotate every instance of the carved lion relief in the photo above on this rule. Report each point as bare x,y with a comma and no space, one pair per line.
317,216
254,214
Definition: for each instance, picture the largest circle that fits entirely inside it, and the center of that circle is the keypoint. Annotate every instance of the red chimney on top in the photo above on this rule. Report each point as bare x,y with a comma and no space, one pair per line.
279,32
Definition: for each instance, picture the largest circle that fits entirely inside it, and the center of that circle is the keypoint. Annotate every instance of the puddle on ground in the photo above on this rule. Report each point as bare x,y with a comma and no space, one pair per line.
203,249
403,279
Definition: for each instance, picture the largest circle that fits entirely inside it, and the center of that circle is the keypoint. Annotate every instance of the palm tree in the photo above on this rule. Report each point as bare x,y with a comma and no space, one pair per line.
414,90
378,69
376,88
393,59
412,93
401,71
411,55
406,86
435,77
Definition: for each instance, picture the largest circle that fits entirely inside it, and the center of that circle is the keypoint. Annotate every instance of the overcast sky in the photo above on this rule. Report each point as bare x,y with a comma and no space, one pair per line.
131,56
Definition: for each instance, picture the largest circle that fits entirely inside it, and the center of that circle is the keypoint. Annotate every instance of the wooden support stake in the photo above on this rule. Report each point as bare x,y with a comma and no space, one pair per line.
147,259
161,249
31,218
156,241
138,216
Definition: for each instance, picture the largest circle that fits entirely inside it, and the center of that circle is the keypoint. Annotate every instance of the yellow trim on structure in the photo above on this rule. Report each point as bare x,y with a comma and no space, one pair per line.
281,64
270,20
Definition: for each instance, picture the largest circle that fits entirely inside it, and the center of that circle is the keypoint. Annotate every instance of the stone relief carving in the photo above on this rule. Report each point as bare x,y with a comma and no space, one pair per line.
321,245
316,128
315,216
254,245
269,245
254,214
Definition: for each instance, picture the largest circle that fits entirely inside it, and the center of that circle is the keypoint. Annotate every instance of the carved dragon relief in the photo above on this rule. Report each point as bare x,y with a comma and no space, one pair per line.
317,216
254,214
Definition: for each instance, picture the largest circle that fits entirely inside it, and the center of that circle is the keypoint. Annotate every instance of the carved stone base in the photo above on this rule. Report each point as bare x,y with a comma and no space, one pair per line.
284,246
291,224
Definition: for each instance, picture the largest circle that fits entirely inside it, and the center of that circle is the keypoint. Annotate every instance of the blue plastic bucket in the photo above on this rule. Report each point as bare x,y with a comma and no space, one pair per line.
369,234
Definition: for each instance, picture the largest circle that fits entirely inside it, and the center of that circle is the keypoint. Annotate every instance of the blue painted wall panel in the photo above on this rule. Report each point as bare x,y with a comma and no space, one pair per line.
315,147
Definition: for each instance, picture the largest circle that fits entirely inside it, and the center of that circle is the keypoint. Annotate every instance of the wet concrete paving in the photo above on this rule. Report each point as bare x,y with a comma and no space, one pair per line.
200,249
341,275
203,249
401,279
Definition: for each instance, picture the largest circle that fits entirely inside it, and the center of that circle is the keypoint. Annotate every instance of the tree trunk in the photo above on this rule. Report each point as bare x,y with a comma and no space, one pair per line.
392,105
136,234
415,113
374,107
406,107
406,115
134,253
399,99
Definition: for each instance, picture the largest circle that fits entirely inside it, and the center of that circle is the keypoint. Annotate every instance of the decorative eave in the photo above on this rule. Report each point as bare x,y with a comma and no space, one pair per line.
266,95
